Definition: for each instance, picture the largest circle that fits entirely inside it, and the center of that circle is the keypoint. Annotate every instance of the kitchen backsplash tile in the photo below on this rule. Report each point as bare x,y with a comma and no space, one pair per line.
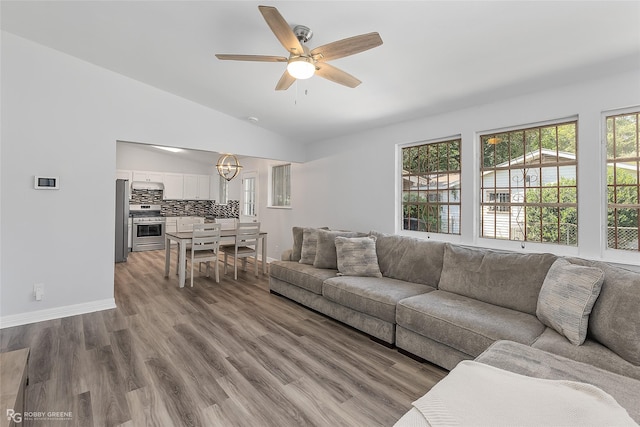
146,197
186,207
230,210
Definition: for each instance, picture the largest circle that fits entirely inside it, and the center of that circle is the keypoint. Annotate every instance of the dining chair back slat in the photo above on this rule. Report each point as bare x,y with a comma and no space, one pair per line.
205,246
246,245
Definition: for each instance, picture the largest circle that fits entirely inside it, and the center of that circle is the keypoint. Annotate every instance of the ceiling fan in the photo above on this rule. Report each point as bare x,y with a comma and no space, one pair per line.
302,62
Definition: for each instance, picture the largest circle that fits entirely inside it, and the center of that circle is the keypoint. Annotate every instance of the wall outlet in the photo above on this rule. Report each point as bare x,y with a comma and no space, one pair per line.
38,291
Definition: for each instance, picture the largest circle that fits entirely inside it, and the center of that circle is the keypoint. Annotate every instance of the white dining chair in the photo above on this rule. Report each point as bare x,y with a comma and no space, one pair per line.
204,247
246,245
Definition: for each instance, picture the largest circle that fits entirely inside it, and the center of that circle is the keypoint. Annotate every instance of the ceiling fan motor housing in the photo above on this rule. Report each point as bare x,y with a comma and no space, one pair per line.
303,33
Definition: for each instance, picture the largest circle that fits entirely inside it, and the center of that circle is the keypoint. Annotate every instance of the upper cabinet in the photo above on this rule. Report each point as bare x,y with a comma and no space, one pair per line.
177,186
173,186
196,187
148,176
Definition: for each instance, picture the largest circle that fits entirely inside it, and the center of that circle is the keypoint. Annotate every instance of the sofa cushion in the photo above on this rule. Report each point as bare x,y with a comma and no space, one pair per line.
375,296
566,298
296,250
309,245
302,275
615,318
506,279
590,352
326,256
409,259
357,256
465,324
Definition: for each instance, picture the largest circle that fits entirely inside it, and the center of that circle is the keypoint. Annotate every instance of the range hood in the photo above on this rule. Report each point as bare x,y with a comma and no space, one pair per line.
145,185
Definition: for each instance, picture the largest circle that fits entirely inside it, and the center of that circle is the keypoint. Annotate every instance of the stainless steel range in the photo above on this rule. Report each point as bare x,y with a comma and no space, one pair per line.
148,228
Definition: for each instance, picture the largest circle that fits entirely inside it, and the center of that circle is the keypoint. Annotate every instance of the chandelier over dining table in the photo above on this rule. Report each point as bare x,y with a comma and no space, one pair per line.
228,166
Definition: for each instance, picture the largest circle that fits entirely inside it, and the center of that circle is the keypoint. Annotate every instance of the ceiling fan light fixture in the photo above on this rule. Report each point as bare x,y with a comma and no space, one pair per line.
301,67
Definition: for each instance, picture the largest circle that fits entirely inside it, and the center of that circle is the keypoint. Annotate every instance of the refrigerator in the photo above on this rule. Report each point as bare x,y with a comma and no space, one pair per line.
122,220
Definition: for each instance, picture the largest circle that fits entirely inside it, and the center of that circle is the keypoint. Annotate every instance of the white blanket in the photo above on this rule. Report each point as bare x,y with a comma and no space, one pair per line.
475,394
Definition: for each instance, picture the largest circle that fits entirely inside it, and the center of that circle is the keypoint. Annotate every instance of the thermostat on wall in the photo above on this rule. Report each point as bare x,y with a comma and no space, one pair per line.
46,183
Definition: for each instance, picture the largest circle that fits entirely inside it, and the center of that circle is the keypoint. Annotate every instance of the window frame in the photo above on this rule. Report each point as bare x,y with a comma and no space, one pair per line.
400,202
482,206
617,254
272,192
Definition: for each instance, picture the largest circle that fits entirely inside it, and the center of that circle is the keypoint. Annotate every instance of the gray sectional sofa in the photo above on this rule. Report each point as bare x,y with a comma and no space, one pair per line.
446,303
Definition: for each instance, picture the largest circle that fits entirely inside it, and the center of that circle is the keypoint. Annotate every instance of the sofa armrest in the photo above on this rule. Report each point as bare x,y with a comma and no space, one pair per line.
286,255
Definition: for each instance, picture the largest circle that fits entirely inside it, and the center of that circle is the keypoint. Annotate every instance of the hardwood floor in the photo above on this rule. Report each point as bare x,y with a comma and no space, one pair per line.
227,354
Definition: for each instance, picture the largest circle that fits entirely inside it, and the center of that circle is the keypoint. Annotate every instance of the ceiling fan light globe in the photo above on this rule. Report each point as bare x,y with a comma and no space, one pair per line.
301,68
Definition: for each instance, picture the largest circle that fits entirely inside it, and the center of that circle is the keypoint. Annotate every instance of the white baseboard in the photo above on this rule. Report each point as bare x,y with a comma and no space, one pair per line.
56,313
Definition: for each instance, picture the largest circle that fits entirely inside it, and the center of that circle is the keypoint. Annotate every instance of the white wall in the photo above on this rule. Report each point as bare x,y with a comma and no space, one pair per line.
352,182
61,117
133,157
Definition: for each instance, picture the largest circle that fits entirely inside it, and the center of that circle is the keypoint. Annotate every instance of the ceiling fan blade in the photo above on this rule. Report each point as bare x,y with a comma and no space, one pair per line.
259,58
281,29
346,47
285,81
336,75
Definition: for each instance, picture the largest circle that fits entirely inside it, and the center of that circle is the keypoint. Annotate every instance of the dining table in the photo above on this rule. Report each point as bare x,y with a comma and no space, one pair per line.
183,239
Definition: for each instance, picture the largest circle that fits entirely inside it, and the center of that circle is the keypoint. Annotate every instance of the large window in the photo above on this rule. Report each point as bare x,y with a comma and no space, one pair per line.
280,192
528,184
431,187
623,190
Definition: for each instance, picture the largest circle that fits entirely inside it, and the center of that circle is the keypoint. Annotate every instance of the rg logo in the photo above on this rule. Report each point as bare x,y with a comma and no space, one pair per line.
14,416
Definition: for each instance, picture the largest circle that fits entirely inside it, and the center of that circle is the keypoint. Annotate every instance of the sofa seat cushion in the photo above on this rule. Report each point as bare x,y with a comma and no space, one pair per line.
375,296
303,275
591,352
536,363
465,324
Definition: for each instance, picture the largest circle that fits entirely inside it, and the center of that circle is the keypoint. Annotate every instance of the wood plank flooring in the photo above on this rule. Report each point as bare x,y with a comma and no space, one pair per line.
227,354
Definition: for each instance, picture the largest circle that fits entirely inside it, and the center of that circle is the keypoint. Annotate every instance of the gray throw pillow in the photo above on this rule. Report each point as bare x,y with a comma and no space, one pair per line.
326,256
566,298
309,244
357,256
296,251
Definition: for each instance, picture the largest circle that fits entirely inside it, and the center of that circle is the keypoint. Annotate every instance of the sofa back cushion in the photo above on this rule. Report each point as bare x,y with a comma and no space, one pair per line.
507,279
615,317
409,259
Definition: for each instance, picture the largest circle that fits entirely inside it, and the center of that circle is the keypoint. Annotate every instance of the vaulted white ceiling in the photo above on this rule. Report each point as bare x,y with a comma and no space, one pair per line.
437,55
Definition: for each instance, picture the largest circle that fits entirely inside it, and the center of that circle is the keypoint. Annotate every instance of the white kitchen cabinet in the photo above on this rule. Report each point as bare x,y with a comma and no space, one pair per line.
190,187
173,186
148,176
214,188
196,187
203,187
